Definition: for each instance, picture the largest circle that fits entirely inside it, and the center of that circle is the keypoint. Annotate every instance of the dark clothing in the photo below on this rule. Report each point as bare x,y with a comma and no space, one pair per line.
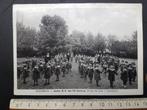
124,77
25,74
40,68
68,66
57,72
63,70
19,72
130,75
111,75
36,74
47,58
97,75
68,57
47,73
134,74
90,74
81,69
116,66
85,71
52,69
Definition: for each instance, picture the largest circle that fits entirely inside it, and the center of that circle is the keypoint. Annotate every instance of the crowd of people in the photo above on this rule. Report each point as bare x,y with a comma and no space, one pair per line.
90,68
45,68
109,66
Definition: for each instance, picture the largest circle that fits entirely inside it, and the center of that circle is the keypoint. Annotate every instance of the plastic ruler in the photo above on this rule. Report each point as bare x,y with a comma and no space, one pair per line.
47,104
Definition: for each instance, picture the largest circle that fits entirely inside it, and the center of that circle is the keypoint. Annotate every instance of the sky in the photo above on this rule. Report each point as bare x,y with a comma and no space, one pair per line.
120,20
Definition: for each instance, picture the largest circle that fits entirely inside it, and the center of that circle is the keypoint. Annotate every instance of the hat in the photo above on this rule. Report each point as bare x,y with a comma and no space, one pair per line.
41,65
112,68
48,66
126,62
36,67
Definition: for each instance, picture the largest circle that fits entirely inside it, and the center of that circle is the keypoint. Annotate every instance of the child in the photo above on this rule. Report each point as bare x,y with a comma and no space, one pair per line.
111,75
124,76
97,74
25,74
36,75
90,73
47,75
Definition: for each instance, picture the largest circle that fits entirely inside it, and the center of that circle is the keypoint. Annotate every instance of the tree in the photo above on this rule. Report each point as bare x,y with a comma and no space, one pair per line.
134,44
77,40
90,41
25,40
53,30
99,42
125,48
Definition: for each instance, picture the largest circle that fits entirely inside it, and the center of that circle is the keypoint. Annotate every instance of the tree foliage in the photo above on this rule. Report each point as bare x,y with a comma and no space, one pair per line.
53,37
25,40
100,42
53,31
127,48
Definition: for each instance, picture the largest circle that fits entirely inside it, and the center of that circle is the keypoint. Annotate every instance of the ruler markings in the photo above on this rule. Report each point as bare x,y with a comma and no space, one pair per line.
78,103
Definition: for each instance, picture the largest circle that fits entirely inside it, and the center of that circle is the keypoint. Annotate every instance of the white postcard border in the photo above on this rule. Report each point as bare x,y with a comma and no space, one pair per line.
101,92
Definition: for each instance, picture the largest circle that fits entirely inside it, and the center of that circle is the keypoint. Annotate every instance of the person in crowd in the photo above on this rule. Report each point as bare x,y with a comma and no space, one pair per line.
130,73
34,62
57,71
97,74
122,65
47,74
124,76
68,66
47,58
25,74
90,73
134,73
36,75
63,69
68,56
81,70
76,58
116,64
105,67
85,69
19,71
53,65
41,68
27,64
111,75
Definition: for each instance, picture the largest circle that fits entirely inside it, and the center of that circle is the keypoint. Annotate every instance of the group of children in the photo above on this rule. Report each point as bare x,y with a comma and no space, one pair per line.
109,66
89,67
44,69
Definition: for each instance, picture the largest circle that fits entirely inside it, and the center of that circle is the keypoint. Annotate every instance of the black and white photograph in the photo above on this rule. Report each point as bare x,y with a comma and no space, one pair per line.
78,49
